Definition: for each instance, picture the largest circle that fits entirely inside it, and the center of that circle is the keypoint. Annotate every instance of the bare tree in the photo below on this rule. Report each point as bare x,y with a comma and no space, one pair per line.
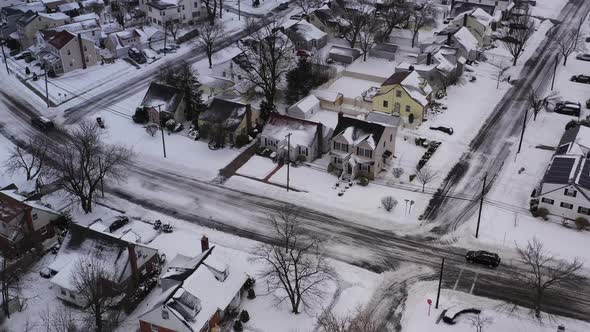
479,322
537,101
11,280
92,282
500,72
356,15
425,175
209,35
389,203
295,268
395,12
544,272
173,27
29,158
520,31
266,60
85,162
357,321
211,7
307,6
421,18
569,44
59,320
367,36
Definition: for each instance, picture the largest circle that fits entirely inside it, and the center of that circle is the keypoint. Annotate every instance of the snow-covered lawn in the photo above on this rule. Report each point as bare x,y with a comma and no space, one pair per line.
246,6
548,8
351,87
258,167
415,316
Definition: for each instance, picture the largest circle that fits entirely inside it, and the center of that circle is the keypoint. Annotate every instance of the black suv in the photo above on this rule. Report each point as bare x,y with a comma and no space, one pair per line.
489,259
568,108
137,55
581,79
119,222
42,123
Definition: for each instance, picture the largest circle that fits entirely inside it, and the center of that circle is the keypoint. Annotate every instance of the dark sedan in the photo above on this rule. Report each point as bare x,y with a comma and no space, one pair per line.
481,257
580,79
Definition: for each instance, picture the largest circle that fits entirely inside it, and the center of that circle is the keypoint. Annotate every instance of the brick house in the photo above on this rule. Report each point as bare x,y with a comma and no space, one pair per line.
23,224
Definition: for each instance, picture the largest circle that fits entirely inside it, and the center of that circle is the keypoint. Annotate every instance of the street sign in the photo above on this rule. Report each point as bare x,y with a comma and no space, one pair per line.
429,301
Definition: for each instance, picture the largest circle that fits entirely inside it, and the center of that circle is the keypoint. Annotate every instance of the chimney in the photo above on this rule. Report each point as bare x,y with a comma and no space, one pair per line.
320,138
465,19
133,263
449,40
204,243
82,51
340,115
428,58
411,68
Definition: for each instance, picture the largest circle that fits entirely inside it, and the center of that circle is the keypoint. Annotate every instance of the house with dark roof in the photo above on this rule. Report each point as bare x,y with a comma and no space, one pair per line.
10,15
565,187
360,147
31,22
164,102
324,19
125,264
305,35
197,293
307,140
67,52
405,93
224,120
24,223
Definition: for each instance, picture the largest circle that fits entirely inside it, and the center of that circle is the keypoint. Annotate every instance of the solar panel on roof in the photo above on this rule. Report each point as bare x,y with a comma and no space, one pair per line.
560,169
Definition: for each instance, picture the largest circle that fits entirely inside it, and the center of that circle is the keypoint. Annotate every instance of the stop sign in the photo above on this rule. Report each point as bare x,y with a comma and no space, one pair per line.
429,301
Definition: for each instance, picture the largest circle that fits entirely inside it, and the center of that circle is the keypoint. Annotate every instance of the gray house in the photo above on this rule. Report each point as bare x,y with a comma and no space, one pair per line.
306,36
308,140
164,102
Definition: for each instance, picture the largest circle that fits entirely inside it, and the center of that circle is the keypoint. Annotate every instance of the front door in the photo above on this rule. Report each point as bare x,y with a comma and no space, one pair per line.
349,168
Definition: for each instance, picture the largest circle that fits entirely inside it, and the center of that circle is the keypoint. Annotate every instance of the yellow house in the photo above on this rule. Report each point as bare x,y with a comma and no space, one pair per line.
404,93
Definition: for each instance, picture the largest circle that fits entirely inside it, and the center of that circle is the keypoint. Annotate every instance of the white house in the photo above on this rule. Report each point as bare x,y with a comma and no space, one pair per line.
565,187
68,52
308,140
478,22
158,12
361,147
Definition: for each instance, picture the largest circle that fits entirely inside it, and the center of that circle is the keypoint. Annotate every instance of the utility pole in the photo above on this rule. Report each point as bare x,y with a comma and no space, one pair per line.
165,51
483,191
4,57
161,129
526,115
442,266
46,88
554,71
288,158
239,12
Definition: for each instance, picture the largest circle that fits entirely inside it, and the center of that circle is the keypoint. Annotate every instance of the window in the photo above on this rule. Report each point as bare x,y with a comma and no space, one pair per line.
337,160
391,138
302,150
69,52
547,200
570,192
364,152
566,205
43,230
398,93
178,10
336,145
93,33
584,210
85,49
182,7
34,216
340,146
72,296
196,4
408,108
396,107
162,13
63,291
385,103
150,8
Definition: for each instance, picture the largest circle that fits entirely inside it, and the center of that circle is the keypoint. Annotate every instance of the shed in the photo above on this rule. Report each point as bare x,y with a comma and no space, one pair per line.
305,108
329,100
344,54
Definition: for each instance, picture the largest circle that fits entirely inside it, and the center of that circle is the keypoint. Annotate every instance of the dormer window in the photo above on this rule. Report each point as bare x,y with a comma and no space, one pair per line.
570,192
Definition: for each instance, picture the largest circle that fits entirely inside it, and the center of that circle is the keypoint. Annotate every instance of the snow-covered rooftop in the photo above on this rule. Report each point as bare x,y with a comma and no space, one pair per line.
466,39
326,95
307,31
417,88
303,132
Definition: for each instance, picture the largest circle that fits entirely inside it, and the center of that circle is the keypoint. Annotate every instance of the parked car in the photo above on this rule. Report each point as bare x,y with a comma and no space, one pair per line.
283,6
297,17
119,222
137,55
446,130
42,123
167,228
482,257
100,122
568,108
580,79
157,224
587,39
588,104
583,57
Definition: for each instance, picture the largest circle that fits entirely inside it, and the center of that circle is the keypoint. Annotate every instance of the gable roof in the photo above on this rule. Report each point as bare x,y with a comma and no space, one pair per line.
478,14
384,118
26,18
81,242
396,78
303,132
61,39
356,130
162,5
168,97
466,39
306,31
226,113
